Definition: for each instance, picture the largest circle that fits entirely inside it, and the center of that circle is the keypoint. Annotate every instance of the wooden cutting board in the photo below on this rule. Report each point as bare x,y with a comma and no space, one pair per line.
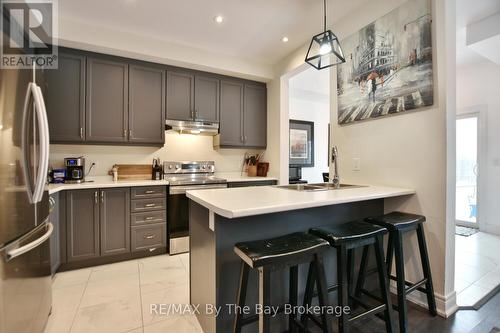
134,171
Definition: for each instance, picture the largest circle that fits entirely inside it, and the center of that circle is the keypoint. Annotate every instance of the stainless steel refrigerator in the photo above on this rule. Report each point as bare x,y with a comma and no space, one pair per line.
25,276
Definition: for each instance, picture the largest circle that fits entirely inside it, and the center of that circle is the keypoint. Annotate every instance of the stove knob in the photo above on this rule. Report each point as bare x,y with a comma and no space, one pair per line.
177,166
170,166
203,167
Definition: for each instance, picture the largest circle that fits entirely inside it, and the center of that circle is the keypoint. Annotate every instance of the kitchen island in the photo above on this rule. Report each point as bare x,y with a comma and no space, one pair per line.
222,217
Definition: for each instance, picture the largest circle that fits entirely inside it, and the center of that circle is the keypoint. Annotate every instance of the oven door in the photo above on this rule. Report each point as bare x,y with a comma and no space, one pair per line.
178,216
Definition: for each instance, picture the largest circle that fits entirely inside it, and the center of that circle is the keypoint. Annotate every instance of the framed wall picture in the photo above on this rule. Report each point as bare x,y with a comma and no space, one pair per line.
301,152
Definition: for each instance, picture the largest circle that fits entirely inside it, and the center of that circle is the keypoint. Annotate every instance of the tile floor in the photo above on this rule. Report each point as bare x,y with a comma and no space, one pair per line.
477,267
116,298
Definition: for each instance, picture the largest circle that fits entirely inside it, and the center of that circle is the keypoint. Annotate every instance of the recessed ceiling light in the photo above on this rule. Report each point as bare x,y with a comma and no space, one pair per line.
218,19
284,39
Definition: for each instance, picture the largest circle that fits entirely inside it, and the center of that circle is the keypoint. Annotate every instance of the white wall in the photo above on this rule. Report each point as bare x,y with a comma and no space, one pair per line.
477,90
178,147
317,110
415,150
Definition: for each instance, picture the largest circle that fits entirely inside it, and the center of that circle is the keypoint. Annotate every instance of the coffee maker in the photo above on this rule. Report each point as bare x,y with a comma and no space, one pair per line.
75,169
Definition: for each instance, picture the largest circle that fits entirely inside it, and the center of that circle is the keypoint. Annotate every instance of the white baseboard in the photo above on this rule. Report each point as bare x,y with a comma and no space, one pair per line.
445,306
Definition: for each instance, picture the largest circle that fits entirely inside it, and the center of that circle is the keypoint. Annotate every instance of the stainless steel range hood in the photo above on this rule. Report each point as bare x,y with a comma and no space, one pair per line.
193,127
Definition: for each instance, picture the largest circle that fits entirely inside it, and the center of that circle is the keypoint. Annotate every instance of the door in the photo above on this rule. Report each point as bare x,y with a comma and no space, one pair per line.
467,170
82,229
255,116
65,99
115,221
106,101
146,104
231,113
180,95
206,98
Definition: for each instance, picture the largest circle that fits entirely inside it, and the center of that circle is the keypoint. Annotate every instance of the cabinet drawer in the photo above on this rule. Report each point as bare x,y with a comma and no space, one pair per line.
159,216
143,205
148,192
148,237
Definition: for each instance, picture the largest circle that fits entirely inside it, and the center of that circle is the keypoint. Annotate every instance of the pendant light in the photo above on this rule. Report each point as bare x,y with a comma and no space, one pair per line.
324,50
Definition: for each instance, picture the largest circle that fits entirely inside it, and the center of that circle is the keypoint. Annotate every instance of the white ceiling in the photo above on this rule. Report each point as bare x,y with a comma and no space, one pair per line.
471,11
251,29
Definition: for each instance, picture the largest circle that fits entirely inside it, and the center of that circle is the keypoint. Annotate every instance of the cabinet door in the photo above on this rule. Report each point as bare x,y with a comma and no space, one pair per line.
231,113
65,99
255,116
180,95
106,100
146,104
82,229
115,221
206,98
55,239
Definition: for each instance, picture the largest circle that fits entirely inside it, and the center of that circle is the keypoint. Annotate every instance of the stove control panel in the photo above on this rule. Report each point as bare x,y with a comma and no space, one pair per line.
170,167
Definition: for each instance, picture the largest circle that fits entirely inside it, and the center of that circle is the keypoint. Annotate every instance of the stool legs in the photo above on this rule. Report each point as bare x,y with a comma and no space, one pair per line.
424,257
242,294
264,299
384,283
342,293
293,290
401,282
322,291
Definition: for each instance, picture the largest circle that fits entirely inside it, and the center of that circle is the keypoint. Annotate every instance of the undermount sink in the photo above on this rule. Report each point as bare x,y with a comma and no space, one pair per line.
317,187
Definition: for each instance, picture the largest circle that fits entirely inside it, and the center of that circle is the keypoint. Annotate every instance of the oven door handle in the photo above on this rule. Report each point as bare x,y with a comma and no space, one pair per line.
180,189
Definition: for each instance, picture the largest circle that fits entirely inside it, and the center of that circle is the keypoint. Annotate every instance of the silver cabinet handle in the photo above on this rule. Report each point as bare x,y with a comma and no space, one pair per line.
102,196
30,246
81,132
125,133
149,237
129,133
149,218
95,197
150,205
150,192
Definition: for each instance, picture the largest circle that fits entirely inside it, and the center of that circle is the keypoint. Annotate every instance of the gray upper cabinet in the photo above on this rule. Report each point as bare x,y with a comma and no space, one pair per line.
255,116
65,99
231,113
115,221
206,98
146,104
243,115
106,100
82,229
180,95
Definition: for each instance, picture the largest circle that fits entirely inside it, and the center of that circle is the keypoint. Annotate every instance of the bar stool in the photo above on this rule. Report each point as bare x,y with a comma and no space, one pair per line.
399,223
345,238
268,255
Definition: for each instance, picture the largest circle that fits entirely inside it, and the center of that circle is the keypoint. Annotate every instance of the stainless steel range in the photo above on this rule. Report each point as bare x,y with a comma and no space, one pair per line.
182,177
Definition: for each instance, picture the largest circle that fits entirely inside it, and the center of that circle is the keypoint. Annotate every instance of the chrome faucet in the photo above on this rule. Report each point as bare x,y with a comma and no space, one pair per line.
335,159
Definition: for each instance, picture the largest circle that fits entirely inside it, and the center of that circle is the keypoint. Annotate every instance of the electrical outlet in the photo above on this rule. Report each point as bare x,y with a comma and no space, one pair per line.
356,164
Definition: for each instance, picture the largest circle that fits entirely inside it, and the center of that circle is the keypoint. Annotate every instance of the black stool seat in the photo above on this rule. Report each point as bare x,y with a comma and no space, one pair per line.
348,232
275,250
397,220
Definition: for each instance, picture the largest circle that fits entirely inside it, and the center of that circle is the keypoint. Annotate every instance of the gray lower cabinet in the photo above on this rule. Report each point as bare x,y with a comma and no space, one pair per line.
243,115
114,220
180,95
106,100
206,98
82,225
231,113
146,104
55,239
64,95
149,237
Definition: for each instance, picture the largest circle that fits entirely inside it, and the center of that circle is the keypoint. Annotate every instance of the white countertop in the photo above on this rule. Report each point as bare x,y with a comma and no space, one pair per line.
247,201
107,181
104,182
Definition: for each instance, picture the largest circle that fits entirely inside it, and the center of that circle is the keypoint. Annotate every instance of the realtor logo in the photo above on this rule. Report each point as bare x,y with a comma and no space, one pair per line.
28,29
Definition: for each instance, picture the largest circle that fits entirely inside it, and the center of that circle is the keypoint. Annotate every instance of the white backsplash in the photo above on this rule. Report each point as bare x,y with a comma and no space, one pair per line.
178,147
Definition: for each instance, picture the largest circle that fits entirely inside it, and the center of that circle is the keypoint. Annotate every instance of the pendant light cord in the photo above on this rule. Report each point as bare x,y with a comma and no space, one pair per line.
324,15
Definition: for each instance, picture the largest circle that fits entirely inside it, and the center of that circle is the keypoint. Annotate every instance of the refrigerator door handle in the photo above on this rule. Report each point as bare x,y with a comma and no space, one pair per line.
30,246
24,142
44,144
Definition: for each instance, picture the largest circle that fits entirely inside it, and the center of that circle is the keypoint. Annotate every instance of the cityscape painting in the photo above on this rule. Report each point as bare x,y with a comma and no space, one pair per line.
388,67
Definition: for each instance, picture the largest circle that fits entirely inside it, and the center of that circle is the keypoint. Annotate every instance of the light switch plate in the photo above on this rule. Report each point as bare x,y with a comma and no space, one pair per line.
356,164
